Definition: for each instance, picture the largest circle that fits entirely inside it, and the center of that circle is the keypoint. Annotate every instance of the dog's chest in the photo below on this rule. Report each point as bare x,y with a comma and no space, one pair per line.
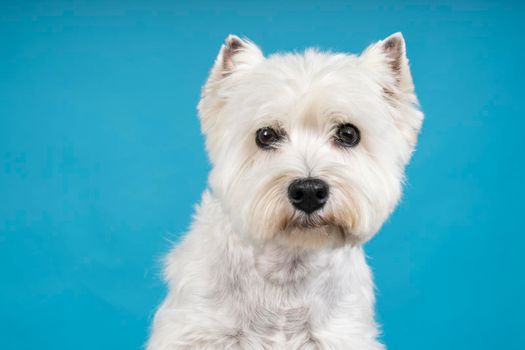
279,323
281,303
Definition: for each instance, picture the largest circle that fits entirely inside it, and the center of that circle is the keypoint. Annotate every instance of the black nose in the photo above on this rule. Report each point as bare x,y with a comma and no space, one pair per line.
308,195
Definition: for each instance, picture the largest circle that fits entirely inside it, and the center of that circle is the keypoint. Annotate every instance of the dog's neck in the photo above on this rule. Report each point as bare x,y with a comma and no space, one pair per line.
280,264
276,262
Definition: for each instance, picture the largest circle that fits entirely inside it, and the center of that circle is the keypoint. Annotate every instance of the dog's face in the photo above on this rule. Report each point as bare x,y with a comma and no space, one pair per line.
309,149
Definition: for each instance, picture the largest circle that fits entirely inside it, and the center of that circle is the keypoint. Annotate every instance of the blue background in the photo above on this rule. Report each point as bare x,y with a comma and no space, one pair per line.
102,160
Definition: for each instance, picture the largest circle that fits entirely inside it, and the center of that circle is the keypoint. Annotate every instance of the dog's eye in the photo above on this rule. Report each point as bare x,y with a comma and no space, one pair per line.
266,138
347,135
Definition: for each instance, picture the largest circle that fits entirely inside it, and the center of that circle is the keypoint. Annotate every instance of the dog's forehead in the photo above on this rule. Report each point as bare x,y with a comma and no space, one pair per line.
312,70
310,87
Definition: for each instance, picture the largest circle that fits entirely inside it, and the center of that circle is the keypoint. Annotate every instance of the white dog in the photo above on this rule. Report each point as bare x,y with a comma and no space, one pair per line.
308,153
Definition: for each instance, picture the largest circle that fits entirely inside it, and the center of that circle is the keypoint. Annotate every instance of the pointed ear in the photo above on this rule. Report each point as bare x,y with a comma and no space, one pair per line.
387,62
388,59
235,56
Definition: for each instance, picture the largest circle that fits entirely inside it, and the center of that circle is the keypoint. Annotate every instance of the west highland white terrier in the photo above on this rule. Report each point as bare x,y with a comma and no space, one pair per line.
308,154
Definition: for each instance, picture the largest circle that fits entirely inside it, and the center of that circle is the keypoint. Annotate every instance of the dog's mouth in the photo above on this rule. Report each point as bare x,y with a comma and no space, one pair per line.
314,230
312,221
309,221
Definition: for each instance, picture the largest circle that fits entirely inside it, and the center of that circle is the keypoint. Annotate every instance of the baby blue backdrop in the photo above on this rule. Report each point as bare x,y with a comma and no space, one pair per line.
102,160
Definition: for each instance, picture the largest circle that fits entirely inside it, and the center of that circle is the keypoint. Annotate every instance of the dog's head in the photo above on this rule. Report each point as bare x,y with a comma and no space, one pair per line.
309,149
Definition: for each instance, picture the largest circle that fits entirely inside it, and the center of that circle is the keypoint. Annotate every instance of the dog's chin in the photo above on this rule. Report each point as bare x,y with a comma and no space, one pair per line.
313,231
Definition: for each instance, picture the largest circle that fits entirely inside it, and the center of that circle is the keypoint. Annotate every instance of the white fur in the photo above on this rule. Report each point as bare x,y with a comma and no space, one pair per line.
247,276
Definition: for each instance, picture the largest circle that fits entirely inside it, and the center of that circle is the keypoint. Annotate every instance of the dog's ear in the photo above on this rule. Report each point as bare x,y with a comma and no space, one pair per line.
387,59
235,57
388,64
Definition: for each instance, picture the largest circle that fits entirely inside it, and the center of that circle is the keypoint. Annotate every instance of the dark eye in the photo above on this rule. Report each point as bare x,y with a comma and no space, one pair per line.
347,135
266,138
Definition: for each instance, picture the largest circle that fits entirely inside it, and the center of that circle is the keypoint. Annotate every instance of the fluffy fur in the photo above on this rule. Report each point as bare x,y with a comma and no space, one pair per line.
253,272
